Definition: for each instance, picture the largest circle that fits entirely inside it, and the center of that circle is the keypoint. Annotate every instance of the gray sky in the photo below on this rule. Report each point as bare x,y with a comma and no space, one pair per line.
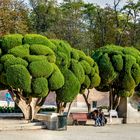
102,3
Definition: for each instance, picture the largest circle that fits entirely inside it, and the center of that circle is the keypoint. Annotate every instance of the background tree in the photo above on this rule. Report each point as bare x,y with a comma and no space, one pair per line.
13,17
119,70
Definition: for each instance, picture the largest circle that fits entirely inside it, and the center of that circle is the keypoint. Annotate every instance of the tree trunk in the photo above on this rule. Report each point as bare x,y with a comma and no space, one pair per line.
111,99
117,102
88,104
69,109
29,106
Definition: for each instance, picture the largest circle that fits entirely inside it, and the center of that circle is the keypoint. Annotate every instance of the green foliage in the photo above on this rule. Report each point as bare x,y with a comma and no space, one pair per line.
18,77
117,62
86,66
20,51
38,39
14,61
38,49
128,82
89,60
10,41
3,78
1,67
41,69
78,70
125,93
63,51
86,83
56,80
32,58
62,60
6,57
95,81
119,68
135,70
40,87
106,69
74,54
70,88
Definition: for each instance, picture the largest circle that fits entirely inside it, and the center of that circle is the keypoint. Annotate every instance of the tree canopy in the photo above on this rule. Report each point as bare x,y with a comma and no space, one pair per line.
32,65
119,69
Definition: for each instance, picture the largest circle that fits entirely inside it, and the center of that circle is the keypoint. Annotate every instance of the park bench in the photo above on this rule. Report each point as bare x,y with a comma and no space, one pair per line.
79,118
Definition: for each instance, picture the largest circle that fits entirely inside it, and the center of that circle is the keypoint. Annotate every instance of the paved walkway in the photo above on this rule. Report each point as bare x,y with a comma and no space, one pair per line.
109,132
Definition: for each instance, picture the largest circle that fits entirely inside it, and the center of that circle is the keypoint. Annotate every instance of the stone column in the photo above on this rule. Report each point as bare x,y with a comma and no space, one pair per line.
126,111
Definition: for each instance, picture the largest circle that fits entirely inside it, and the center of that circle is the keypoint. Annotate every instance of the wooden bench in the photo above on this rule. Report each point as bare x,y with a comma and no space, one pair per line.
79,118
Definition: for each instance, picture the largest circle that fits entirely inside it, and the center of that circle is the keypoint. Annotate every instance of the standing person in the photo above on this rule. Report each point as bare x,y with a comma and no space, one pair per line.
8,98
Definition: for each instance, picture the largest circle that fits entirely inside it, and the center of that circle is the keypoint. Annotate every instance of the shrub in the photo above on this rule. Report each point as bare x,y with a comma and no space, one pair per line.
70,88
41,69
14,61
86,83
10,41
106,69
95,81
20,51
38,39
56,80
40,87
32,58
78,70
37,49
18,77
74,54
6,57
86,66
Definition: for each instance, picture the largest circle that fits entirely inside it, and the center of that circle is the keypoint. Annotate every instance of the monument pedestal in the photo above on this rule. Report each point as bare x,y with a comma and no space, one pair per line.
126,111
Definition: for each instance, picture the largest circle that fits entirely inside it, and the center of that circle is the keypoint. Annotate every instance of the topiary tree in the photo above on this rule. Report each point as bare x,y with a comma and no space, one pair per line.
28,70
76,68
119,71
31,66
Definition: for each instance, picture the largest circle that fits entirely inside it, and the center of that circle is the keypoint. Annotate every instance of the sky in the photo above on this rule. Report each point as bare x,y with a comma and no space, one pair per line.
102,3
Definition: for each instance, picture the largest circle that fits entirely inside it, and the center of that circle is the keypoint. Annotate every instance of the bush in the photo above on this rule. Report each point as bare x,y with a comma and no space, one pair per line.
40,87
95,81
56,80
38,39
63,48
106,69
78,70
43,50
70,88
62,60
20,51
10,41
6,57
86,83
19,77
117,62
74,54
14,61
41,69
86,66
32,58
